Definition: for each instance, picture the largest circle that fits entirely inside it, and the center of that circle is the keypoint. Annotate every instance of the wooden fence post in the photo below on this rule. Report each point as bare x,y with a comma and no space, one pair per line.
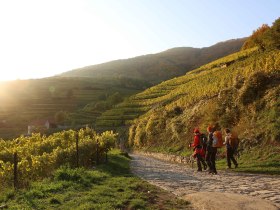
15,170
77,150
97,152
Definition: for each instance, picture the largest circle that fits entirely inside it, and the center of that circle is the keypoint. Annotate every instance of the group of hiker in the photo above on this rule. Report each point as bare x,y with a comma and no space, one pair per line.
205,148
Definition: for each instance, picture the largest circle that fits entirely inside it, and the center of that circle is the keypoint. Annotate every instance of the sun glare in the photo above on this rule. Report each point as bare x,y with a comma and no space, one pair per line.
35,44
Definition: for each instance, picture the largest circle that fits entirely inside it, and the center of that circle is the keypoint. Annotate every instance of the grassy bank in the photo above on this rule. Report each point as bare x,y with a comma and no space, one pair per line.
109,186
263,159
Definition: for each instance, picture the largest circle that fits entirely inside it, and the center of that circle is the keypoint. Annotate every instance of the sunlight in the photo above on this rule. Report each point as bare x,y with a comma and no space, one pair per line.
36,44
45,38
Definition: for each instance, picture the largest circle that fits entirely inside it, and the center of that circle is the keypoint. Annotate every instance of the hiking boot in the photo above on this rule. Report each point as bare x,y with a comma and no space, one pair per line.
229,167
199,170
204,167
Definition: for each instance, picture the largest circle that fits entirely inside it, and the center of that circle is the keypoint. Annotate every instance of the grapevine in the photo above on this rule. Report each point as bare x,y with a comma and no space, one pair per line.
40,155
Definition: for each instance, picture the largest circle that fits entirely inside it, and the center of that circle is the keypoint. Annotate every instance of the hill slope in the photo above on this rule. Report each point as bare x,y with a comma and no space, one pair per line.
239,91
161,66
244,95
82,99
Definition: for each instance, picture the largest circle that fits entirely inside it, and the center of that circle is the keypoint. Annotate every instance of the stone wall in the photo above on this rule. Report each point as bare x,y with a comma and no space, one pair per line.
168,157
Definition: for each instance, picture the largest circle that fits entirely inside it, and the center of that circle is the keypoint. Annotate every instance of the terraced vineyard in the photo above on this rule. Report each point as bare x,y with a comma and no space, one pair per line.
25,101
240,91
172,90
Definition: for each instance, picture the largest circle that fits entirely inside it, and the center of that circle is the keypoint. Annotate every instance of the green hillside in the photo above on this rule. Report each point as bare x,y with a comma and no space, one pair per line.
243,95
156,68
81,99
246,77
240,91
83,95
162,94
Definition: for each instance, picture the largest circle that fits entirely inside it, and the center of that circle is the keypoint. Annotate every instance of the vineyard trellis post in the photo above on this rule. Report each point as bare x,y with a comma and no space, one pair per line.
97,152
15,170
77,150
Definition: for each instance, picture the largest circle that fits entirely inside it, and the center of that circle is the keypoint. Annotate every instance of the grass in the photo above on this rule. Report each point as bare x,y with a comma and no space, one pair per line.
262,159
109,186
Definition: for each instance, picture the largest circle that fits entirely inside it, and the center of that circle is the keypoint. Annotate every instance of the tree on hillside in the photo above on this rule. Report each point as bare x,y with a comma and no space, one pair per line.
101,106
257,38
265,37
115,98
60,117
272,36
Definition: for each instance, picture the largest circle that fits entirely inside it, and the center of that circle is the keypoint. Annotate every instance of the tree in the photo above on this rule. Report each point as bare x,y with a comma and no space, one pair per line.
272,38
115,98
257,38
102,106
60,117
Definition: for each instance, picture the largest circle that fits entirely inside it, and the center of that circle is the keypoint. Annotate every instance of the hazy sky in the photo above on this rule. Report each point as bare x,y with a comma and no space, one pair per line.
40,38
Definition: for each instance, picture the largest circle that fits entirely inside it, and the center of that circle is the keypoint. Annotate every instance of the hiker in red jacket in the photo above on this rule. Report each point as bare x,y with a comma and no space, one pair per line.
198,151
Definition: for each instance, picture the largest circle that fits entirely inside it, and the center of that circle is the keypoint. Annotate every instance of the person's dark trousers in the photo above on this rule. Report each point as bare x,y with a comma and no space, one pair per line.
213,159
230,157
200,160
208,155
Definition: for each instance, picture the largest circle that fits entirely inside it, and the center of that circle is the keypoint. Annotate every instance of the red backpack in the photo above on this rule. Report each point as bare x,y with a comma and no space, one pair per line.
234,141
217,139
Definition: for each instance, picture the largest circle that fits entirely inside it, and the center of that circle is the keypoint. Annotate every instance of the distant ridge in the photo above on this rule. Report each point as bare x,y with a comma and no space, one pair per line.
155,68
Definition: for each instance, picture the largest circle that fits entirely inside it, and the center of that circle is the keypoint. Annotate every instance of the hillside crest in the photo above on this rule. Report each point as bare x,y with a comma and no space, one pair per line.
155,68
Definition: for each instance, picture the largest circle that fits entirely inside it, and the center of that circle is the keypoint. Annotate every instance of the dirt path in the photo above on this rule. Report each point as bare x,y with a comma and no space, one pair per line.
231,190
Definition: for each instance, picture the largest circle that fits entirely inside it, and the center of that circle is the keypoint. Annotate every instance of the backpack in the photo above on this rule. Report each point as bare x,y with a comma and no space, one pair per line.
217,139
234,141
203,140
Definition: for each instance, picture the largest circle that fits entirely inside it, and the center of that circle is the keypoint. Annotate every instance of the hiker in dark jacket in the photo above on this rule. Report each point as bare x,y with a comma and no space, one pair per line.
211,152
198,151
230,149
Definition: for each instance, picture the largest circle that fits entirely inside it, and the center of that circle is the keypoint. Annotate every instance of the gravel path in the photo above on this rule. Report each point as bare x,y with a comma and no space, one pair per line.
189,184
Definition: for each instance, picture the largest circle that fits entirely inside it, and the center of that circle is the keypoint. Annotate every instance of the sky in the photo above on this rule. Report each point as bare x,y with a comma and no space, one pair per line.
41,38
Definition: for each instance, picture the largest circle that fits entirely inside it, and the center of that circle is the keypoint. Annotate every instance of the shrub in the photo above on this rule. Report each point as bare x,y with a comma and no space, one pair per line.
54,201
257,38
65,173
253,88
140,135
175,112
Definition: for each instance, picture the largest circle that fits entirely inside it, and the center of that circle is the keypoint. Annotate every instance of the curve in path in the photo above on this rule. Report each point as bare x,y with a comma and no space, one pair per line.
249,191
